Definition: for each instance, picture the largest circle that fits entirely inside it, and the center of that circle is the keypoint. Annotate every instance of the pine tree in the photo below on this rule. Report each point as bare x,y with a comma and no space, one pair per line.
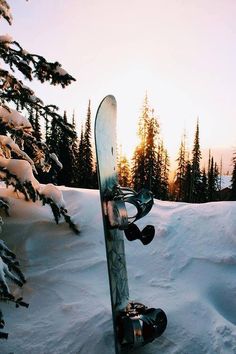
181,171
196,172
145,155
157,186
138,168
165,175
204,187
87,151
150,153
213,180
233,180
188,181
66,156
80,161
123,169
17,133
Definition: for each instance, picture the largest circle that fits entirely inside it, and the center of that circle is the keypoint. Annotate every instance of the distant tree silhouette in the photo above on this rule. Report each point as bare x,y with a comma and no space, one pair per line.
233,180
196,171
181,171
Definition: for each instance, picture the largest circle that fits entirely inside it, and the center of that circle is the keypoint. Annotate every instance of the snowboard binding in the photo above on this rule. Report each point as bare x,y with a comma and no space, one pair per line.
139,325
117,213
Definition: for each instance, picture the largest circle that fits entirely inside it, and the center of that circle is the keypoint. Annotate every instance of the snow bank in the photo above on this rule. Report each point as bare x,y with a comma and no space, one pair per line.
188,270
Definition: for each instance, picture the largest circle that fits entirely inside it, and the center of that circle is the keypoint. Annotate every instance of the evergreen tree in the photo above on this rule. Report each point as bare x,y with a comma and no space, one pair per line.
204,187
17,133
157,186
181,171
138,169
124,171
196,172
217,181
151,153
145,155
212,179
188,181
88,152
37,127
80,161
165,175
233,180
66,156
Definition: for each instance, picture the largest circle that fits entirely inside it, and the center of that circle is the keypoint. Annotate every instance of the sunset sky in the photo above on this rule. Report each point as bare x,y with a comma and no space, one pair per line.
182,52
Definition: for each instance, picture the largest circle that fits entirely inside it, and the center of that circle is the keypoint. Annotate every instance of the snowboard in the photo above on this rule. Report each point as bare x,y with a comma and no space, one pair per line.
133,323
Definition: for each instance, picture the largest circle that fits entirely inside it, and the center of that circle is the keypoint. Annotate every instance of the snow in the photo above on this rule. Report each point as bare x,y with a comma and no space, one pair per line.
6,39
20,168
14,119
59,70
226,181
188,270
54,157
23,170
7,143
5,11
53,192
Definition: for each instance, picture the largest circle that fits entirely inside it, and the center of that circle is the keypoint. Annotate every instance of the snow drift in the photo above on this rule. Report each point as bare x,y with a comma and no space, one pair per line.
188,270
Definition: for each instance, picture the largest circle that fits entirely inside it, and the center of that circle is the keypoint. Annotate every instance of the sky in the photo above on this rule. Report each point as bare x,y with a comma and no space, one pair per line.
182,53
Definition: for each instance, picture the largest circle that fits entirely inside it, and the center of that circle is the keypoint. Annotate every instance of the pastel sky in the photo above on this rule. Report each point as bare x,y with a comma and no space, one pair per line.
182,52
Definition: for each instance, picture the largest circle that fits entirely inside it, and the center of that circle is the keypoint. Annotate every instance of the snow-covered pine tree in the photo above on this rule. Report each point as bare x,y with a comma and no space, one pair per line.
17,168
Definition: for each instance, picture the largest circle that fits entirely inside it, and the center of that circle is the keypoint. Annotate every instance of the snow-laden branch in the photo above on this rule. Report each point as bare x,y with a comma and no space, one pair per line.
9,271
18,173
7,145
5,11
13,90
13,119
32,65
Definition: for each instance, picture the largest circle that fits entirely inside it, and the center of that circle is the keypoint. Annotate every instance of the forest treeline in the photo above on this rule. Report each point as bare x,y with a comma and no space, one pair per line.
149,167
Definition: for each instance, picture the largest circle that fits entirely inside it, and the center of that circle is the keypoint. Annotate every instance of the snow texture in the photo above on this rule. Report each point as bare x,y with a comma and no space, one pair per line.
7,144
6,39
20,168
5,11
188,270
14,119
59,70
55,159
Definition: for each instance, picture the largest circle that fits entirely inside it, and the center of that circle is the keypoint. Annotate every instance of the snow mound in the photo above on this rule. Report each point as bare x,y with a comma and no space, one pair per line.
188,270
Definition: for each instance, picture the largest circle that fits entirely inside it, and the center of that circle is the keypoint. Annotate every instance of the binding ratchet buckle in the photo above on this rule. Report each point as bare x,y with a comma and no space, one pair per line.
139,325
138,203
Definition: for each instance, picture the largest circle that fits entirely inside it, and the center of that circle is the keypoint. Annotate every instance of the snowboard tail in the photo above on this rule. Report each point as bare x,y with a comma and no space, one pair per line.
133,323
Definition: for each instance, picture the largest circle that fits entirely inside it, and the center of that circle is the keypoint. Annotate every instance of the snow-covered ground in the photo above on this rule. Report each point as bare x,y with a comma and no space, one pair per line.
188,270
226,181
